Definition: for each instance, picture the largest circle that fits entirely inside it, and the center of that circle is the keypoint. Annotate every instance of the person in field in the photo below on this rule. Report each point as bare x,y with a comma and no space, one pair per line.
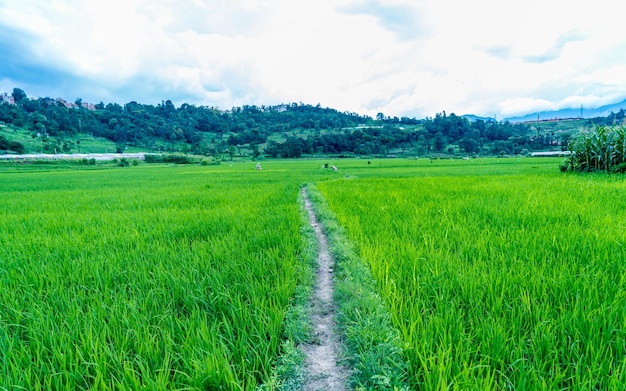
258,166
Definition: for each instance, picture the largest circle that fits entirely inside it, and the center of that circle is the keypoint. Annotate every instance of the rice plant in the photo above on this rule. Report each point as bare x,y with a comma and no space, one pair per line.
497,282
496,273
145,278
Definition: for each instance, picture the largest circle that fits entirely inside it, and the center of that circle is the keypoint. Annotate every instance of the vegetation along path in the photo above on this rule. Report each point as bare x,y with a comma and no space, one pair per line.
322,367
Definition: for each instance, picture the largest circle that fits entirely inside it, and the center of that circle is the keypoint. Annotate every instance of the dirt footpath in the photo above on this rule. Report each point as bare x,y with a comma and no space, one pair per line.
324,372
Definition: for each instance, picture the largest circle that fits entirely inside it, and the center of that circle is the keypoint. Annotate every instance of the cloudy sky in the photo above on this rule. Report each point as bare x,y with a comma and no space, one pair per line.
402,58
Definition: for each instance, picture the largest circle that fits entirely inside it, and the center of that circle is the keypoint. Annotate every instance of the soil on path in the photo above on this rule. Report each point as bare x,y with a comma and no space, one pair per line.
323,370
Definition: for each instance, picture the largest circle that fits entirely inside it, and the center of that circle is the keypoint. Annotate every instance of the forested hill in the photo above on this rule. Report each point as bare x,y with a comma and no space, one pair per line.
288,130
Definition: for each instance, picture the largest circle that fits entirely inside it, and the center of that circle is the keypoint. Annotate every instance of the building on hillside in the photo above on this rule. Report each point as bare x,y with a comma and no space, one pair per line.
280,108
70,105
88,106
7,98
65,103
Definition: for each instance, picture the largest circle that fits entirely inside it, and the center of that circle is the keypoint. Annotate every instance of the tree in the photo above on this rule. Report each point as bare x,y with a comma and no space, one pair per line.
468,144
292,148
439,142
272,148
231,152
254,150
18,95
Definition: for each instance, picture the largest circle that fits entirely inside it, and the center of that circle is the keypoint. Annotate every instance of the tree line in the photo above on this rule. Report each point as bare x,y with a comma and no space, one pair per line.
287,130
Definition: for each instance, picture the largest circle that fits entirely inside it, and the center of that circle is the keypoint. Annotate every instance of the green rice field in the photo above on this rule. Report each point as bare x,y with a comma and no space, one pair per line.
496,273
497,281
155,278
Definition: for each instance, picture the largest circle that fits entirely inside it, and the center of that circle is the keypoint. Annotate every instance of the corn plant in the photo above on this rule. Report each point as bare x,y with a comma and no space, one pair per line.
601,149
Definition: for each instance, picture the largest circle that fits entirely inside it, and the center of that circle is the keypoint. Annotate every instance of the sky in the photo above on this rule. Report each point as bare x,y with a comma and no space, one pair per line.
415,58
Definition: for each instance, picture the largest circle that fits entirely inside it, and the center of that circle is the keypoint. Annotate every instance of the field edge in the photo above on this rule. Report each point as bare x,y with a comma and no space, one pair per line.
371,344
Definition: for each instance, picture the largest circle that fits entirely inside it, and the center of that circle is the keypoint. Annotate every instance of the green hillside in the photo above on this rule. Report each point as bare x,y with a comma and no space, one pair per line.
46,125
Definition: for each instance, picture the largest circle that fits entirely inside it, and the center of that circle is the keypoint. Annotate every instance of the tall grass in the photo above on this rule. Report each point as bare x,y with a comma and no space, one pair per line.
154,278
497,282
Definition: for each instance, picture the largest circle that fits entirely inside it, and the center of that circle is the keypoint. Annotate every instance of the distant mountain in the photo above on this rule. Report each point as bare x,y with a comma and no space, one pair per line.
602,111
474,118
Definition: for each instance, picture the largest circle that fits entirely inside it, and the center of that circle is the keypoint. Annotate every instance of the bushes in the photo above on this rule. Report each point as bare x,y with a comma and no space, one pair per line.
13,146
602,149
88,162
176,159
180,159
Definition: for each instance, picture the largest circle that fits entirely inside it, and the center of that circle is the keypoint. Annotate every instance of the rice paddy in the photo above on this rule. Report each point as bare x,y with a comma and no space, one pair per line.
496,274
497,281
167,278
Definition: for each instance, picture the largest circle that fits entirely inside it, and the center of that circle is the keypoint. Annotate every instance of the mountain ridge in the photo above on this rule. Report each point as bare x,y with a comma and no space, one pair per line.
564,113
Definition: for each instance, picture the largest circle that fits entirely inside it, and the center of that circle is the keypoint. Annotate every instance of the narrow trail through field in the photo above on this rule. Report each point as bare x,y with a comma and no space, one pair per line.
322,367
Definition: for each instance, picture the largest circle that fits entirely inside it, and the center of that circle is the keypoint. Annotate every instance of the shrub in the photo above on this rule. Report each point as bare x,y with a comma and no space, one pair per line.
88,162
176,159
169,158
153,158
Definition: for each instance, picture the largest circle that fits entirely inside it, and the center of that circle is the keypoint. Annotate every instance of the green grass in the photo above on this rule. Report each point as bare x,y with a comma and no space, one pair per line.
497,281
88,143
289,373
158,278
461,274
372,345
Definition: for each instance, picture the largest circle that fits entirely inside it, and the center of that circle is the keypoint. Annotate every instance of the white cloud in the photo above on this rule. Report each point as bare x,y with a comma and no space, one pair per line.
397,57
